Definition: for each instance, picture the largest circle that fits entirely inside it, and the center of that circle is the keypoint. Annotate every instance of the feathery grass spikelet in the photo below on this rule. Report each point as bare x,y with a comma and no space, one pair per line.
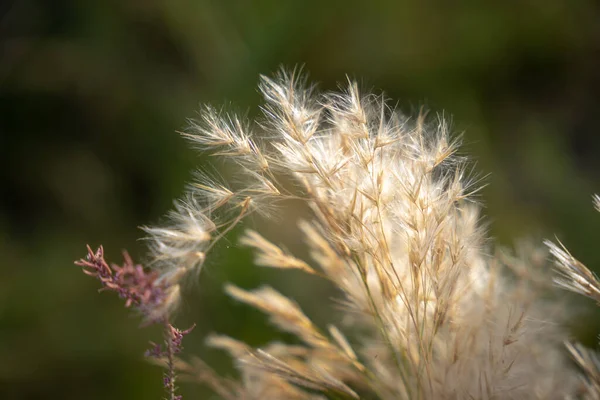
572,274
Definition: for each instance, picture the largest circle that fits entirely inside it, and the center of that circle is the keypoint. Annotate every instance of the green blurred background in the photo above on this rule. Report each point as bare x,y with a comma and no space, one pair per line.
92,92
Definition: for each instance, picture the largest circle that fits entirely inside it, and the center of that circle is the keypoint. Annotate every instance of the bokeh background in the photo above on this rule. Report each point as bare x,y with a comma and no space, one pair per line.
92,92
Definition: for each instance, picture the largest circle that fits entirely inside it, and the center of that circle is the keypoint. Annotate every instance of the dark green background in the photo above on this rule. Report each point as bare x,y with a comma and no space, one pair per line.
91,93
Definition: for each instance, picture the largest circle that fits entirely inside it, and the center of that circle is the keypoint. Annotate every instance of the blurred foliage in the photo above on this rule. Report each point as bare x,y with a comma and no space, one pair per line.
91,93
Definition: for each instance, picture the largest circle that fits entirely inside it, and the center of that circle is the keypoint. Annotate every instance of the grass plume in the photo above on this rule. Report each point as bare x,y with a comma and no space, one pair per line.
436,312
